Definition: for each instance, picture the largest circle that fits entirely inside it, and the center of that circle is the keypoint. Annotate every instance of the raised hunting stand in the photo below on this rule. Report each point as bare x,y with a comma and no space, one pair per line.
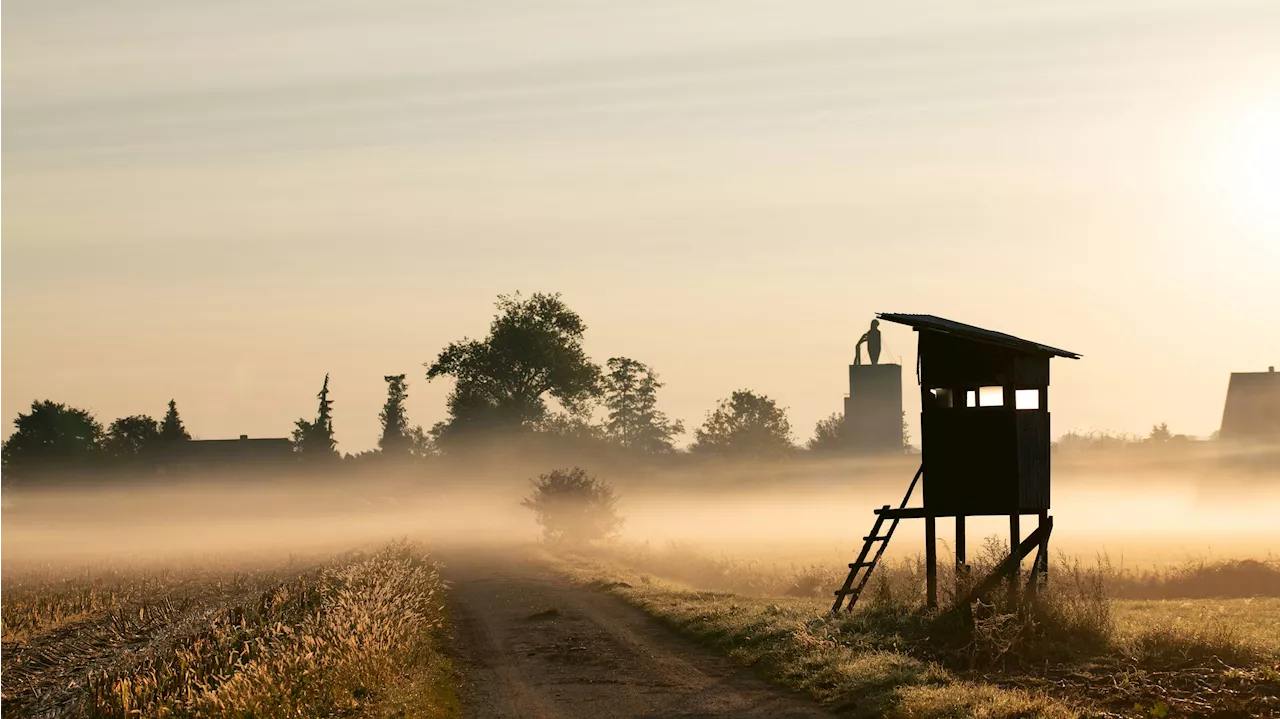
984,425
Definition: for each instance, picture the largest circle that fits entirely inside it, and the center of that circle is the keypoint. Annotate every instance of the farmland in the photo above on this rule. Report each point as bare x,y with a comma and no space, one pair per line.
267,637
287,600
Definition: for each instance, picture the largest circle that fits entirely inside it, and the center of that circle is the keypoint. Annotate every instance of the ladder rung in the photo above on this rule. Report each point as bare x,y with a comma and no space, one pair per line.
857,565
875,538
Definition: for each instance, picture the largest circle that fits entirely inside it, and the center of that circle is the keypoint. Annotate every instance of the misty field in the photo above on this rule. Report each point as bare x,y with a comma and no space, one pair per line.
335,636
1084,650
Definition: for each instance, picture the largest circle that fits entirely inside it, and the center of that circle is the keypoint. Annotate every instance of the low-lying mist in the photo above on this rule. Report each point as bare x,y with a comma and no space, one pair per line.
1139,513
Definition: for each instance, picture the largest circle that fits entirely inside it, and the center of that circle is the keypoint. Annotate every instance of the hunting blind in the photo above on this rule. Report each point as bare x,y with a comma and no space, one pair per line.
984,425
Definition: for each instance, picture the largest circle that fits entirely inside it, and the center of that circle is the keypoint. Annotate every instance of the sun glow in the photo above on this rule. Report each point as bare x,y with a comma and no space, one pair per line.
1250,170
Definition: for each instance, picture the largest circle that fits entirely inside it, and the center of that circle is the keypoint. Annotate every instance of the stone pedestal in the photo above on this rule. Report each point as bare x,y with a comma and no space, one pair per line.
873,409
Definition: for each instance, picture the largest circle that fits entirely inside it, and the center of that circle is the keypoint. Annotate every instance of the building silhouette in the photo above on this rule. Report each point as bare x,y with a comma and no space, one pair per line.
873,409
224,454
1252,410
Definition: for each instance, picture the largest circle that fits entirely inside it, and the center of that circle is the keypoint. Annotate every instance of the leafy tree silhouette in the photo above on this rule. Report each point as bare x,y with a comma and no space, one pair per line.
631,395
571,429
745,424
52,438
421,445
1160,433
314,440
533,350
573,507
171,428
828,435
395,439
132,437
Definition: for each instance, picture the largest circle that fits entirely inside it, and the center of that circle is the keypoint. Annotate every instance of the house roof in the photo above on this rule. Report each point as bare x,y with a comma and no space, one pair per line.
1253,405
977,334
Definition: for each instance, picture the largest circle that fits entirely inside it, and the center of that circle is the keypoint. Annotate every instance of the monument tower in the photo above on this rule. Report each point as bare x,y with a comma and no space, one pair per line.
873,408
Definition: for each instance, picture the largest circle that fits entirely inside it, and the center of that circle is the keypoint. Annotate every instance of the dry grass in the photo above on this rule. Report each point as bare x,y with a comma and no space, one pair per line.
1198,579
797,644
331,640
1094,653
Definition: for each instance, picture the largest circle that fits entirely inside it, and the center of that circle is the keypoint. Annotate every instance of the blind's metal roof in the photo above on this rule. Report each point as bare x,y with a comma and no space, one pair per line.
978,334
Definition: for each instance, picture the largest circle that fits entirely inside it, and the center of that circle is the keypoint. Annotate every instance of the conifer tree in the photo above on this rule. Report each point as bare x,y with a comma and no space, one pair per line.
395,426
314,440
631,395
171,428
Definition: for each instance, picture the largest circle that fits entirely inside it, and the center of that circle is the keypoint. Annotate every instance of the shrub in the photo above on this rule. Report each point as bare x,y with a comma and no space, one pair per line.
573,507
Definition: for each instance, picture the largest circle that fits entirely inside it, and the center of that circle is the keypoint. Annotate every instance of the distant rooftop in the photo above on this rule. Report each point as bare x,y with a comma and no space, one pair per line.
242,449
1253,405
977,334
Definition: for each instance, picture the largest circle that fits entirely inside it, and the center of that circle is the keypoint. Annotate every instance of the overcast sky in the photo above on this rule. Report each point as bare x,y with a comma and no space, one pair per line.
221,202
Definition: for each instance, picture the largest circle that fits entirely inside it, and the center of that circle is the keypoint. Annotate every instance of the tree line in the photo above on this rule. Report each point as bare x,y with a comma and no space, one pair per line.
529,375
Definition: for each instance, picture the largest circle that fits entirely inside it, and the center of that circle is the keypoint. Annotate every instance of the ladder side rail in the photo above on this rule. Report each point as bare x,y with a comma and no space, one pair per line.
866,547
866,577
912,487
853,570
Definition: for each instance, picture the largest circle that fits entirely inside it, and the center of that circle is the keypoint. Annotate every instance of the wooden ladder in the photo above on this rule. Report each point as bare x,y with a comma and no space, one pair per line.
862,566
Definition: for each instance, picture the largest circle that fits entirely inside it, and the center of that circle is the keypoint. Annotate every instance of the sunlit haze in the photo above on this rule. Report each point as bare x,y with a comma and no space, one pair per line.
222,202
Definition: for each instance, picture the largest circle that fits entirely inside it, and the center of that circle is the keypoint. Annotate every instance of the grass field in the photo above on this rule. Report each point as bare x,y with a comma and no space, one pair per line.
354,634
1083,653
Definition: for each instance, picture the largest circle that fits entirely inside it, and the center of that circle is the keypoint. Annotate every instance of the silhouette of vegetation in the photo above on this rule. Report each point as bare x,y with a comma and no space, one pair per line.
171,427
314,440
1101,441
1160,434
576,428
533,350
529,375
573,507
53,437
395,439
828,435
130,438
631,396
745,424
421,446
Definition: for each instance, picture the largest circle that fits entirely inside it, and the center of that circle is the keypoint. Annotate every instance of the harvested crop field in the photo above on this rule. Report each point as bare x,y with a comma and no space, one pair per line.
287,638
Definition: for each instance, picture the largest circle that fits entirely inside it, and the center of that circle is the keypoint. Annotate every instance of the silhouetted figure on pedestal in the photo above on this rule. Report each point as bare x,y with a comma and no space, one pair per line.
872,340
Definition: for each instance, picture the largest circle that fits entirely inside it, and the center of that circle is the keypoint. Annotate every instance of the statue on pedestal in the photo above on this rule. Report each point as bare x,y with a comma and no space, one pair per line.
872,340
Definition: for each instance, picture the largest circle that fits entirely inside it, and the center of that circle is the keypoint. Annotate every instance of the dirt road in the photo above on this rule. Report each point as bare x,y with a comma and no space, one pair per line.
532,645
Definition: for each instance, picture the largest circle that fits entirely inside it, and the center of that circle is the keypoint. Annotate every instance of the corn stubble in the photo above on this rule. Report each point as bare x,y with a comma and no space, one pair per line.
323,641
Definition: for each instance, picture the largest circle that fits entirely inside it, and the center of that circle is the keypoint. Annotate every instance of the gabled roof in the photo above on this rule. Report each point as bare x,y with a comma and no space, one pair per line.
977,334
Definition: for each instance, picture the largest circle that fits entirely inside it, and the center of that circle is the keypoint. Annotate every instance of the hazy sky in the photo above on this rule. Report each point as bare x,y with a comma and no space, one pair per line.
220,202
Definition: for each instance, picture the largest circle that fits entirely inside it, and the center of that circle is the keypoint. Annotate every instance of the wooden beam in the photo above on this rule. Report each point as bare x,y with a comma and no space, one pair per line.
931,562
905,513
921,513
1044,546
1015,538
1013,560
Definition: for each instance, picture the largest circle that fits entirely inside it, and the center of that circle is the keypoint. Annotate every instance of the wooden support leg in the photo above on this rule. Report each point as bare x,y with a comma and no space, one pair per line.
1015,538
931,562
1044,547
961,558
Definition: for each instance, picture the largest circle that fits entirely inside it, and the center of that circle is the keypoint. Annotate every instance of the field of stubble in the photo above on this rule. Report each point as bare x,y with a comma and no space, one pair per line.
272,637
